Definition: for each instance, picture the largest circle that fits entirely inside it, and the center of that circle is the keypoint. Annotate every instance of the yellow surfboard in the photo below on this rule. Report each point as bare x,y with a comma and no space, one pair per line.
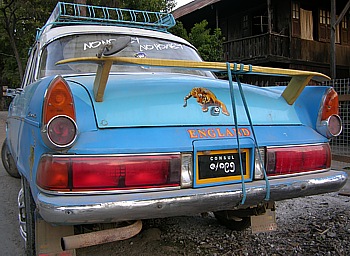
299,78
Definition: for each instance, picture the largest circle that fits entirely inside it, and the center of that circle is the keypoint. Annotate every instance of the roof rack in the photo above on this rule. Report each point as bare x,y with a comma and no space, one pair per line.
75,14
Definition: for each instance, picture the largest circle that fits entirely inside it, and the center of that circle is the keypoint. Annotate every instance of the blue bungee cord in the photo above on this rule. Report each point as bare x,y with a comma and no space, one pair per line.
244,193
267,197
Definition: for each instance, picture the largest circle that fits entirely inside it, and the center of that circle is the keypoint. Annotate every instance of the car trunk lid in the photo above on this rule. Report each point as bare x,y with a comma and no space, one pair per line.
162,99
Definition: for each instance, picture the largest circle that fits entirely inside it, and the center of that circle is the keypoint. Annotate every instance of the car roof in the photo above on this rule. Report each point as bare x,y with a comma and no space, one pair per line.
62,31
68,19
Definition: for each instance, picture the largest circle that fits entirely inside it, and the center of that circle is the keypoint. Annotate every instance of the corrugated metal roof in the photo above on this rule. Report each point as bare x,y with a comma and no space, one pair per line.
192,6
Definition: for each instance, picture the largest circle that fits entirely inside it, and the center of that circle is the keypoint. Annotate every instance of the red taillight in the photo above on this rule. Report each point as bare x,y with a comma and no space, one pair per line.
59,114
61,131
329,123
58,179
108,173
289,160
330,105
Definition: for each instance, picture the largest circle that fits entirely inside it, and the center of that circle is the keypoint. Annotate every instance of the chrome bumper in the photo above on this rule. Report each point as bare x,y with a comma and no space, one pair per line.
81,209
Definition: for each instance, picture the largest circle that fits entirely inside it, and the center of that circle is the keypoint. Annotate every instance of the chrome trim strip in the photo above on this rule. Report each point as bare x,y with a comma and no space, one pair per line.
116,155
108,192
297,145
296,174
113,208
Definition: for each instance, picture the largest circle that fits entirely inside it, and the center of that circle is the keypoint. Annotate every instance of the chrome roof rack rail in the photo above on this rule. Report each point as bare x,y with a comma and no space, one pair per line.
79,14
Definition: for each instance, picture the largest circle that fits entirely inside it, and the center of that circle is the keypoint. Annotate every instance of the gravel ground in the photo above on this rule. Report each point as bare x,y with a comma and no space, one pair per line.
316,225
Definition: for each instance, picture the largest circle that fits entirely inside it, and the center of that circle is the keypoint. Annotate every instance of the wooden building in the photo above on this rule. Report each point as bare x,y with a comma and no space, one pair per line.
278,33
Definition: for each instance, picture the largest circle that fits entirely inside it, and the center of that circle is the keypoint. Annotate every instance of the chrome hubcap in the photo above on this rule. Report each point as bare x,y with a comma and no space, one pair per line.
22,214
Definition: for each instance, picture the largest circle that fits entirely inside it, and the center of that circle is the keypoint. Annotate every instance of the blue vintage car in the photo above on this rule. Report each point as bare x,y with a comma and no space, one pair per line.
118,120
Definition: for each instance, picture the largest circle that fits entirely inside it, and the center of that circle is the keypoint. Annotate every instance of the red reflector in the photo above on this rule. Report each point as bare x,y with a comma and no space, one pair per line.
110,172
289,160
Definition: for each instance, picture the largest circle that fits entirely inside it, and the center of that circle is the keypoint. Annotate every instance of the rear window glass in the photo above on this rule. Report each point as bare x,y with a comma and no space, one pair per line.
89,45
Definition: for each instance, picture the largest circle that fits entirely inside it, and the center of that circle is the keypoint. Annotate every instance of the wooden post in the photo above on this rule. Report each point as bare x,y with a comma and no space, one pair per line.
332,46
334,23
269,21
216,17
269,16
342,14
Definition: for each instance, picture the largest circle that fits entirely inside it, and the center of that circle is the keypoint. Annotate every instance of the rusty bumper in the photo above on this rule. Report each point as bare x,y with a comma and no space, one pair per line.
90,208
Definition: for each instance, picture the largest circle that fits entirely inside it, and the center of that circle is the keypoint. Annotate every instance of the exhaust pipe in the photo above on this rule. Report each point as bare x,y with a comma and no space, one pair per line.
101,237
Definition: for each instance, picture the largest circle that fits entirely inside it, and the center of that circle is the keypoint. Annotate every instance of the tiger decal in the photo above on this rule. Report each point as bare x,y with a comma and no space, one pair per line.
206,99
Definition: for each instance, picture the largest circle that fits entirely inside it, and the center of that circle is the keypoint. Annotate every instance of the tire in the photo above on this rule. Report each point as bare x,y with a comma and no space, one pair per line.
227,219
8,161
30,219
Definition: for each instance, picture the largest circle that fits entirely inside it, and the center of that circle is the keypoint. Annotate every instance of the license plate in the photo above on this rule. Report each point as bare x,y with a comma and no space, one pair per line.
221,166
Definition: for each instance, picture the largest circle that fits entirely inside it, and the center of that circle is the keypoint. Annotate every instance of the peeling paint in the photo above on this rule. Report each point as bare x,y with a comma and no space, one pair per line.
31,160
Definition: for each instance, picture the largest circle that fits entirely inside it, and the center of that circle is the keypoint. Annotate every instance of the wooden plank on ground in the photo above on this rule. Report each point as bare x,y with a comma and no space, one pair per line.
345,191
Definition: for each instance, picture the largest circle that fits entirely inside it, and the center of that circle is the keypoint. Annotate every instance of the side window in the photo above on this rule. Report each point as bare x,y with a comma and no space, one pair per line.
29,75
324,26
245,26
295,19
345,31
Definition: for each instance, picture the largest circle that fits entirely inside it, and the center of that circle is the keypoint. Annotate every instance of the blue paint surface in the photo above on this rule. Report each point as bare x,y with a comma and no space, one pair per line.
157,100
146,114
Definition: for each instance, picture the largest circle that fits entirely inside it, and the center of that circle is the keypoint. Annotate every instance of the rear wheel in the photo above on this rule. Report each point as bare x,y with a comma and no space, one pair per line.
27,216
229,220
41,238
8,161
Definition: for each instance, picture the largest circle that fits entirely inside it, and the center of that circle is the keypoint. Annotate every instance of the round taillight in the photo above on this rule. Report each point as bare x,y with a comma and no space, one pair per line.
334,125
330,127
61,131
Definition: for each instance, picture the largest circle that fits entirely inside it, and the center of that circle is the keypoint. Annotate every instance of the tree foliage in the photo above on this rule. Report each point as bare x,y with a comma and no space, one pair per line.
19,20
209,45
179,30
150,5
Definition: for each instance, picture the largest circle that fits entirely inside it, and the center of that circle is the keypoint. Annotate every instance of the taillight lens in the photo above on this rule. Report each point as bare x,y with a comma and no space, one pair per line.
329,123
61,130
290,160
58,100
334,124
330,105
59,120
259,163
186,170
59,173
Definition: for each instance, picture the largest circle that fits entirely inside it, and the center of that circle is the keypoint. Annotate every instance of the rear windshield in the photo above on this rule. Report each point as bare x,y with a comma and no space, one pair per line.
88,45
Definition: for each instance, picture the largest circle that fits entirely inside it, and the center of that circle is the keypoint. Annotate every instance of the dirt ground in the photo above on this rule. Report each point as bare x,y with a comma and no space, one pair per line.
12,243
316,225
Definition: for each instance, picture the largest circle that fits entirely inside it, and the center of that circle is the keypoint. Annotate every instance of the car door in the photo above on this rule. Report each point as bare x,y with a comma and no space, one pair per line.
18,105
